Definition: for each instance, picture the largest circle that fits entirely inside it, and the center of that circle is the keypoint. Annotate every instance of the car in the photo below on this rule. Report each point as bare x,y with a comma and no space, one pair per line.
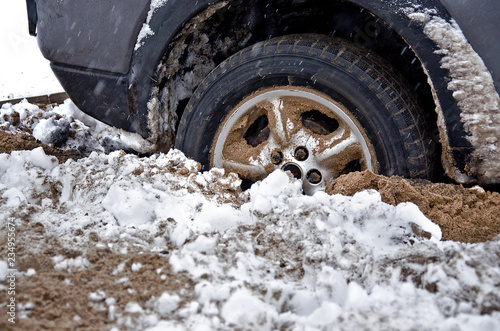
317,88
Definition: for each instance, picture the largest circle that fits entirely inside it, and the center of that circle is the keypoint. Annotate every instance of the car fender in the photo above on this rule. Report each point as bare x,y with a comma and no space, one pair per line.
166,21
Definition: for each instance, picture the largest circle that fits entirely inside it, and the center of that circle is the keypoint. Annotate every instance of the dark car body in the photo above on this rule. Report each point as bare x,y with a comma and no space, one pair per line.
112,56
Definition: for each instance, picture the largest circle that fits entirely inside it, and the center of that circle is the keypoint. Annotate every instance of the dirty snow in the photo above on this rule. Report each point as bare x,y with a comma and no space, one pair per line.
472,87
265,259
187,65
162,106
67,127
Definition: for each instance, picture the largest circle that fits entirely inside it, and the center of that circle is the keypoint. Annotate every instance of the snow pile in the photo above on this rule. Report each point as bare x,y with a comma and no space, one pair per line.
266,259
67,127
119,188
473,89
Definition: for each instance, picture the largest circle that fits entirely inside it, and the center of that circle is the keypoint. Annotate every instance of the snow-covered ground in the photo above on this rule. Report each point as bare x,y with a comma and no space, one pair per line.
23,70
266,259
118,242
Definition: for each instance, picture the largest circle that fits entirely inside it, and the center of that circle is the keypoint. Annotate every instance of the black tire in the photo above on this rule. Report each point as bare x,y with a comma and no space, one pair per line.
371,91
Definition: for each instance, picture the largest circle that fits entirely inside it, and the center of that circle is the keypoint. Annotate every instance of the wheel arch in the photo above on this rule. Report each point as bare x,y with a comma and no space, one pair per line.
153,64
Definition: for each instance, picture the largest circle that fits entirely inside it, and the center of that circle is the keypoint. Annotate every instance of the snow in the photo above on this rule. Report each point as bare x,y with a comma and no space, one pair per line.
41,160
97,296
3,271
30,272
264,259
14,197
77,263
268,258
153,7
50,131
23,70
136,267
133,307
129,204
473,89
68,127
166,304
146,30
143,34
243,308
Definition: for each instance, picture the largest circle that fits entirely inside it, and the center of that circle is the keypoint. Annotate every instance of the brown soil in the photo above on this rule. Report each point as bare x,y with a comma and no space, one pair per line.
23,141
61,298
464,214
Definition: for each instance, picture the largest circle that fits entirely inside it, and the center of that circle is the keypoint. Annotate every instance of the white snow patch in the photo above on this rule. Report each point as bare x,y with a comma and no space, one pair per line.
167,325
129,203
14,197
30,272
119,269
78,263
248,311
42,160
97,296
3,270
166,304
133,307
146,30
136,267
203,244
153,7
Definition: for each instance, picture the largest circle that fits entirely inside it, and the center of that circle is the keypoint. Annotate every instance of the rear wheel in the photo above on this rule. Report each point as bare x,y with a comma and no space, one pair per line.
316,106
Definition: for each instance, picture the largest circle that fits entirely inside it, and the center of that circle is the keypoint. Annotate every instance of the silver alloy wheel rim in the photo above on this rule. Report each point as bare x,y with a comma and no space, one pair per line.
284,138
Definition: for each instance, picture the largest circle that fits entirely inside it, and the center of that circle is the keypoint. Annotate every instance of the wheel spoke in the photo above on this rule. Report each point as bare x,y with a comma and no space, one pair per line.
250,162
248,171
341,150
277,122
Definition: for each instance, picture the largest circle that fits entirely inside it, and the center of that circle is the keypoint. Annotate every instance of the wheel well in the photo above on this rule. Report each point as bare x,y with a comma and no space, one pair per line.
224,29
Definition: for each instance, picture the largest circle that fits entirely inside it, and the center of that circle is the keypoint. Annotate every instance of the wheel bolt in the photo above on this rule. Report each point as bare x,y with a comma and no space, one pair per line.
277,157
314,176
301,154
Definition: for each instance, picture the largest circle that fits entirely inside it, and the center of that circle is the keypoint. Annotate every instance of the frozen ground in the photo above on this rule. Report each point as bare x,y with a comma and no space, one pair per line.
114,241
23,70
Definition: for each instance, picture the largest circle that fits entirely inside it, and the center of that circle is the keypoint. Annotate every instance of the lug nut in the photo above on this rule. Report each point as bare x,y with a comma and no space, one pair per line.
301,154
314,176
276,157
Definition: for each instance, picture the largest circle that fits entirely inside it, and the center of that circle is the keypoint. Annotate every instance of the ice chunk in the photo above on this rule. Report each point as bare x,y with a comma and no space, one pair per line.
42,160
129,204
166,303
